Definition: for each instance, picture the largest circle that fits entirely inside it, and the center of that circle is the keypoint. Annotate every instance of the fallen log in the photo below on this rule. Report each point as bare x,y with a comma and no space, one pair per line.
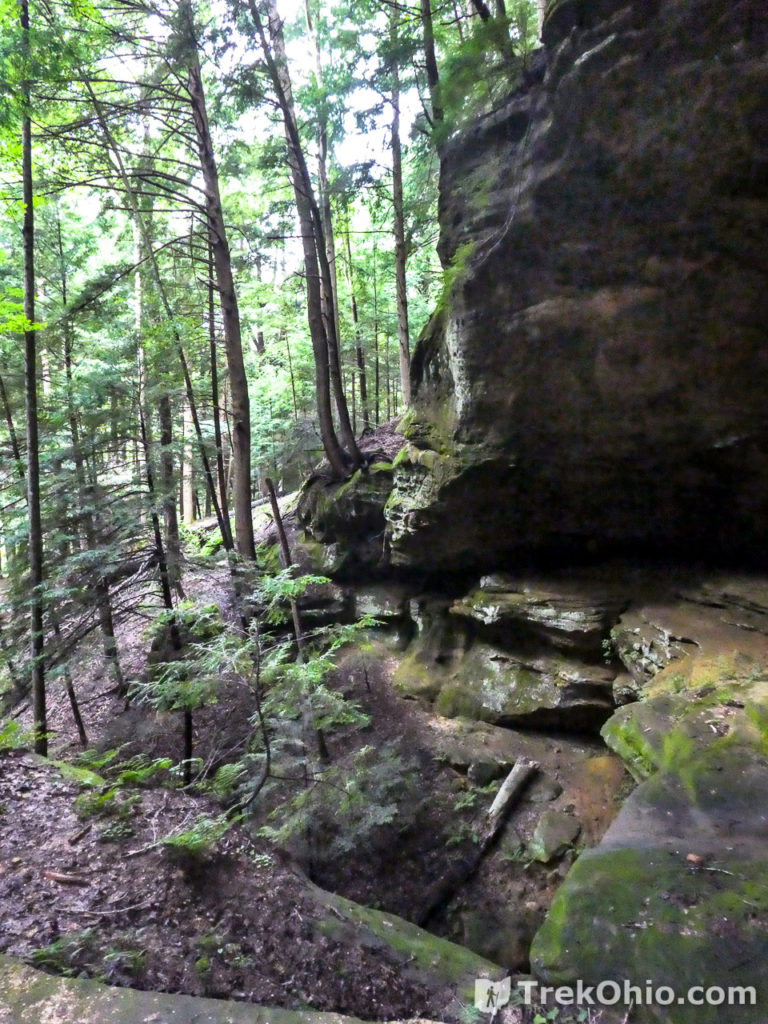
445,888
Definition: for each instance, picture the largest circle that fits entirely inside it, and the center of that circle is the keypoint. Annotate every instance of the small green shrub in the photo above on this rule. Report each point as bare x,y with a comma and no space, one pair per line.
13,737
109,803
65,955
116,832
200,839
129,962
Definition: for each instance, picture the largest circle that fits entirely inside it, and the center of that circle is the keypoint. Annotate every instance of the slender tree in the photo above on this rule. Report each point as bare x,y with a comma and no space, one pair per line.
398,210
225,283
36,564
325,342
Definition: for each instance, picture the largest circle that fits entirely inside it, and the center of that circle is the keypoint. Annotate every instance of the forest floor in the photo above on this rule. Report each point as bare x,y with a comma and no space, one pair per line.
87,885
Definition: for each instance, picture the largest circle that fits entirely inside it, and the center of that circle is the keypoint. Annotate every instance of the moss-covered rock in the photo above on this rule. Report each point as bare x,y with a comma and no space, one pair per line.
594,403
646,914
555,833
350,513
677,891
28,996
427,958
700,703
481,681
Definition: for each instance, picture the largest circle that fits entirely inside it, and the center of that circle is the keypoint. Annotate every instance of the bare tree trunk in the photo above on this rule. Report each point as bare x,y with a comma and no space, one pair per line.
223,499
285,552
386,376
36,563
141,228
541,10
293,381
399,227
187,473
324,195
87,492
317,269
433,76
377,370
360,356
241,414
482,9
168,488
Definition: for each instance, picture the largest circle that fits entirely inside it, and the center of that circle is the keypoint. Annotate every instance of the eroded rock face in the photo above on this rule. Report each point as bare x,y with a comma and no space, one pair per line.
597,375
676,891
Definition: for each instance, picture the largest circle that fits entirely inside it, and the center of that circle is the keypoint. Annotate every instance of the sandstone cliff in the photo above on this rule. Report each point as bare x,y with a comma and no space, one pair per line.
597,374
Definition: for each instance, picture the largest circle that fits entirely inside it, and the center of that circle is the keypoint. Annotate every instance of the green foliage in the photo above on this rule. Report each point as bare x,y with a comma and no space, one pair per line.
455,273
559,1015
13,737
63,956
137,771
109,803
199,840
116,832
227,779
141,770
347,804
81,952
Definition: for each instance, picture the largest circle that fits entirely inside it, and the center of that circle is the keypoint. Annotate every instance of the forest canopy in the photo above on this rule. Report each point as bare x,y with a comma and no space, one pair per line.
218,227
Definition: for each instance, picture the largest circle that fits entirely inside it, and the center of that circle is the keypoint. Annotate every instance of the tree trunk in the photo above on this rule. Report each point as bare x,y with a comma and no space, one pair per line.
377,369
36,563
541,10
317,269
241,414
87,491
433,76
324,195
310,729
140,228
223,500
187,473
399,228
360,356
168,488
481,9
293,380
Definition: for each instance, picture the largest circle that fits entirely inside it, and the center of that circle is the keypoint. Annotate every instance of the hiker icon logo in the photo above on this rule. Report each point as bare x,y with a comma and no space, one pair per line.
490,996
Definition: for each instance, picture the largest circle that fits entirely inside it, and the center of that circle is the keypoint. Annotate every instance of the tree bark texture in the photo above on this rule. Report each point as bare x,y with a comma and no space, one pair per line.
230,314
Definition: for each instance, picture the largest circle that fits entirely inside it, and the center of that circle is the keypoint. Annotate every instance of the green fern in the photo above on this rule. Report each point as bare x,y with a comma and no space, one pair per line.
199,840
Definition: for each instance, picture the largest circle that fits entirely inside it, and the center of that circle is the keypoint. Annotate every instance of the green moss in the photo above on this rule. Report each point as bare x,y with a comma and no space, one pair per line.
441,960
82,776
414,678
456,700
757,714
643,914
28,996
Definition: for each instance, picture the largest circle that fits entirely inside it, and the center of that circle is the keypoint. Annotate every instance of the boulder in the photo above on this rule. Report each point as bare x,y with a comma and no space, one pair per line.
485,682
555,833
28,996
351,514
676,894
